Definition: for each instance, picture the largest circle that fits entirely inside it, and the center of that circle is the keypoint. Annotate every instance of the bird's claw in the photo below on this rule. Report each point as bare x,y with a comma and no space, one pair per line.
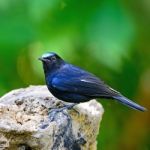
65,107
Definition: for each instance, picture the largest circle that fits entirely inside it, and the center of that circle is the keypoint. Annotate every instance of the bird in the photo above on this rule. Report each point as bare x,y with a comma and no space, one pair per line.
72,84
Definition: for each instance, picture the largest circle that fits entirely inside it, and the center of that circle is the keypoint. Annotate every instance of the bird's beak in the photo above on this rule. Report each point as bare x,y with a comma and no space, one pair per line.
41,59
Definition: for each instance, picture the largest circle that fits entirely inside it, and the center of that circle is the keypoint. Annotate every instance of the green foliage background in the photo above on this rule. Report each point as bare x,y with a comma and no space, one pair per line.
109,38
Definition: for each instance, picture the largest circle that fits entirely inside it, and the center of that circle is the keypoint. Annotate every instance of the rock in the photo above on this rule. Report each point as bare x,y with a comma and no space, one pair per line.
25,123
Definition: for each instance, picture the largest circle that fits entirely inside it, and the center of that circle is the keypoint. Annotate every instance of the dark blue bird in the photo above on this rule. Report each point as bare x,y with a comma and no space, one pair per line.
75,85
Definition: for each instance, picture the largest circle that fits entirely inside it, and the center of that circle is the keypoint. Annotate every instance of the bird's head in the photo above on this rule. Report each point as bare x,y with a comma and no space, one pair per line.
51,61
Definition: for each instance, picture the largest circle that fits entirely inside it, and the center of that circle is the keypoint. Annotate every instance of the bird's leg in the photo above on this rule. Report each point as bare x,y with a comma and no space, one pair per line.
53,111
68,107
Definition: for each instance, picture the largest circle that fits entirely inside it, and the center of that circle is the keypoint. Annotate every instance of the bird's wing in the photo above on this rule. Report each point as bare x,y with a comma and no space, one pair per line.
74,80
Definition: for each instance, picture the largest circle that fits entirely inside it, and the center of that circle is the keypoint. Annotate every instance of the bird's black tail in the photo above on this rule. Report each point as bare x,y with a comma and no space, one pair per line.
129,103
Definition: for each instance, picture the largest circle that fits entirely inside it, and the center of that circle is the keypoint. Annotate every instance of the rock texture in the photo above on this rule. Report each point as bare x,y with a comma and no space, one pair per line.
29,120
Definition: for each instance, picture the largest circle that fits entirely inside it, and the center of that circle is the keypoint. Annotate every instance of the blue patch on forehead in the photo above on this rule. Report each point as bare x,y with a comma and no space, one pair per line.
47,55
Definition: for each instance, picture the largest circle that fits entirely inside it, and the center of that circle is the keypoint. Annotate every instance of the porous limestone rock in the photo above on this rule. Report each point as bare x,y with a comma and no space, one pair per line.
25,123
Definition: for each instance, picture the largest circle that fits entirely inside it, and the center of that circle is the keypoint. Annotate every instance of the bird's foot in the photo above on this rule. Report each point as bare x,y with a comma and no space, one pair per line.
69,106
54,111
65,107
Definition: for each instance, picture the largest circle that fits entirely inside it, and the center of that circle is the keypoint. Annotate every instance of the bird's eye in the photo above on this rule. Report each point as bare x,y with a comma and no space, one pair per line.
53,58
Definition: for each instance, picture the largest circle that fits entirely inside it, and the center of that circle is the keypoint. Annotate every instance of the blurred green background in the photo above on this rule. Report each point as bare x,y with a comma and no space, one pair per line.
109,38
